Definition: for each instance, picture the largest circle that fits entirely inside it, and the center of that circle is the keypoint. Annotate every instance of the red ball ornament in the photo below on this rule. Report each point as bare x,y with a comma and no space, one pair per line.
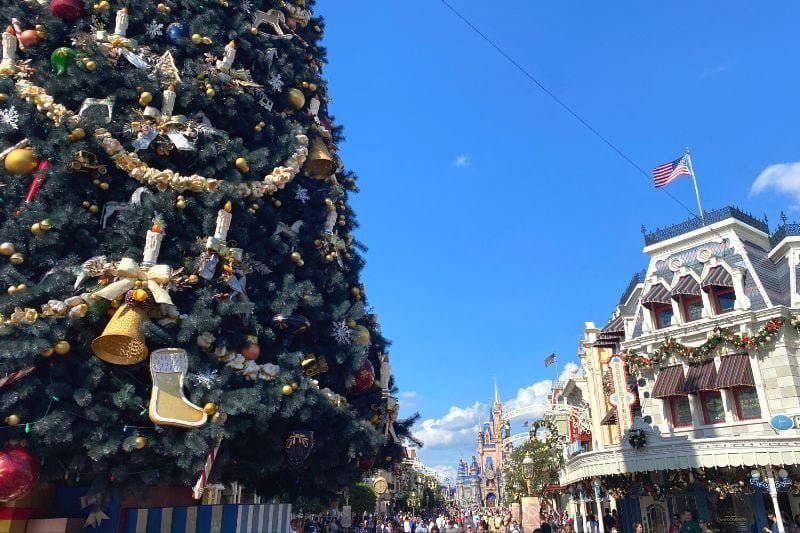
366,463
251,351
364,378
29,38
68,10
19,472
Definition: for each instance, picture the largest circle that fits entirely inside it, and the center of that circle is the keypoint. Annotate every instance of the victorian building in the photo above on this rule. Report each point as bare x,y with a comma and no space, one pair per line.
694,383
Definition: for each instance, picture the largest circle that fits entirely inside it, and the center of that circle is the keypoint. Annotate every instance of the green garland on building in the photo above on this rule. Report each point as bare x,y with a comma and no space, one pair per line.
719,337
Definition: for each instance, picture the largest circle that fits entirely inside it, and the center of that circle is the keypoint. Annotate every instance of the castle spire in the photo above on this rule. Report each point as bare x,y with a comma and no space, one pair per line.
497,402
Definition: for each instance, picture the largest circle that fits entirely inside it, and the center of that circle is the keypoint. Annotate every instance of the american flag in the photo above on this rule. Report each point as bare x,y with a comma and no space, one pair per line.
669,172
550,359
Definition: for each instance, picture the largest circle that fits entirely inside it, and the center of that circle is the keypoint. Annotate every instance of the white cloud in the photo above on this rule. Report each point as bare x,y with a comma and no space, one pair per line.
408,399
714,70
539,392
446,471
461,161
457,428
783,177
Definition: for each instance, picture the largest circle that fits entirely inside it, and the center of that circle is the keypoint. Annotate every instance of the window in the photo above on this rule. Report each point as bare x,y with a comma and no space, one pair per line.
747,406
680,412
692,307
713,410
662,315
724,299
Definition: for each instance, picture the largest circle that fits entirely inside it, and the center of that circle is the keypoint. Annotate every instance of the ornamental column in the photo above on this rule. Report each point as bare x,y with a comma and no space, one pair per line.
773,494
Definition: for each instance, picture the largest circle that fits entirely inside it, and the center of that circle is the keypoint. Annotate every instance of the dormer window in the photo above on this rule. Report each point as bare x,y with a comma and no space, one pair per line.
662,315
687,293
719,285
658,301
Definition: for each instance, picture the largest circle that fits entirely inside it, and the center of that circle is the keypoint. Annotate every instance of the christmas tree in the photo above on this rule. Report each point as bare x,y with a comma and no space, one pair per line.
180,278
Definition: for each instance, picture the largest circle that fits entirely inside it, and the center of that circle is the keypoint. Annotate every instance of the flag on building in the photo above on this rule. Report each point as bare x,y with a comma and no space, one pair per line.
550,359
669,172
525,424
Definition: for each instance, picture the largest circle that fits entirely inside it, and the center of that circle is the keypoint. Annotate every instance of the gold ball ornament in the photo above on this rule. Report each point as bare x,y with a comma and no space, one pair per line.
356,293
253,30
140,295
276,202
295,386
241,165
21,287
17,258
45,225
3,98
287,390
36,229
140,442
104,185
48,352
210,92
193,279
296,98
90,65
219,418
296,257
145,98
181,203
163,8
351,323
362,335
12,290
21,161
210,409
104,5
12,420
94,209
197,38
62,347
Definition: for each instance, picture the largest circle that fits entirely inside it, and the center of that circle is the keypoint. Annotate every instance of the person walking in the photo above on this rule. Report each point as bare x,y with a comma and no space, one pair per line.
689,524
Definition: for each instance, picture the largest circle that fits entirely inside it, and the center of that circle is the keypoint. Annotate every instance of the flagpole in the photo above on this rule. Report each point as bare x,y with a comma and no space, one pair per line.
696,190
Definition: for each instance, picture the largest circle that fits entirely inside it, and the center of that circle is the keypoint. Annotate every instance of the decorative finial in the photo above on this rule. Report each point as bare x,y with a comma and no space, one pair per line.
783,218
643,230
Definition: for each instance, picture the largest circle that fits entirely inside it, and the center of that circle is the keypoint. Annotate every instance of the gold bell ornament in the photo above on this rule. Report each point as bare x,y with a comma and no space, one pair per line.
122,341
320,164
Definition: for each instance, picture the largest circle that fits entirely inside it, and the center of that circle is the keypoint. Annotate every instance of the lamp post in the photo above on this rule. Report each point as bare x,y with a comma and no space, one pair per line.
527,471
596,486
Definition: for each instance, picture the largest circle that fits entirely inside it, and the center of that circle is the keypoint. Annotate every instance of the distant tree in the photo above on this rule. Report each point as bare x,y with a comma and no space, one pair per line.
547,460
362,499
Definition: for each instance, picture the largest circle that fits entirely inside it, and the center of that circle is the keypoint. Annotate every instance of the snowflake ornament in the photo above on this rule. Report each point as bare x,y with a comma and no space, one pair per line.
154,29
341,332
9,118
246,6
275,82
206,379
301,194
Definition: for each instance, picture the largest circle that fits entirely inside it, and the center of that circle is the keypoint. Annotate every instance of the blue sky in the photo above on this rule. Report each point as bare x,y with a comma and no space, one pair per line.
497,224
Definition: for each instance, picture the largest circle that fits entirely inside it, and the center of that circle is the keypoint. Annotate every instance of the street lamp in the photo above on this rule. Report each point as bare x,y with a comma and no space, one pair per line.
527,471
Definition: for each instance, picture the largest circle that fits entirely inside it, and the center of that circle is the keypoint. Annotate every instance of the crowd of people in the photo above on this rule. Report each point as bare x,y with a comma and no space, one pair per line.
445,520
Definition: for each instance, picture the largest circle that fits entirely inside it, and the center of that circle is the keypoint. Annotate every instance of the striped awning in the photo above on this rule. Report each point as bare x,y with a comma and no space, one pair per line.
615,326
717,277
658,294
687,286
735,371
669,382
611,334
611,417
702,377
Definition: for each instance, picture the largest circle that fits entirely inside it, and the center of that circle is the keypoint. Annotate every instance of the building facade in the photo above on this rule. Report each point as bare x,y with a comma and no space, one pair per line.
694,383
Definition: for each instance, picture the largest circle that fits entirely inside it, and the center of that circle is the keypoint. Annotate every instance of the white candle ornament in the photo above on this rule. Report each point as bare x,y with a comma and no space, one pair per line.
9,52
168,101
152,245
230,55
223,222
121,27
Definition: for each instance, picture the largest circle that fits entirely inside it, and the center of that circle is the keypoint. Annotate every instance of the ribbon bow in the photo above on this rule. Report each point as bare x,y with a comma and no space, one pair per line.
129,272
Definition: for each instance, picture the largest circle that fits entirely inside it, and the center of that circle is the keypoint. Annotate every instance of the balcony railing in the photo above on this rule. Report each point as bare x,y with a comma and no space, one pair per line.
711,217
787,230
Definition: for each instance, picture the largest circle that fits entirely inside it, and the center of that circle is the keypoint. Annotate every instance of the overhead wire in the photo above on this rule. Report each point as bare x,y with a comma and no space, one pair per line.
566,107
